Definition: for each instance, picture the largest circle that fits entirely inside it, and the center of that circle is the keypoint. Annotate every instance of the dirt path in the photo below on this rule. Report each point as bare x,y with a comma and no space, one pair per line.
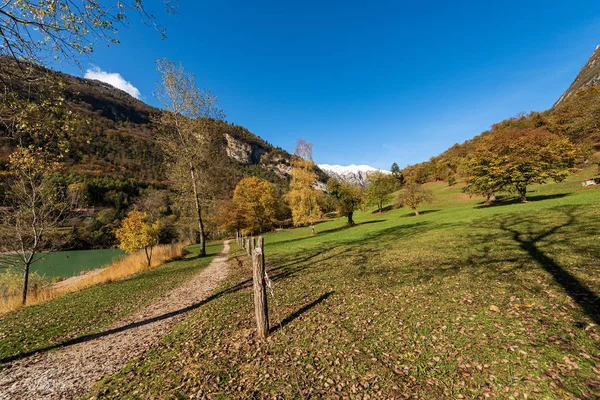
70,372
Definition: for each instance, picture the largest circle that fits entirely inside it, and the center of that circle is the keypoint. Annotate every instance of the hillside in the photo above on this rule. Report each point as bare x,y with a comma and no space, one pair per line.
588,76
114,138
575,115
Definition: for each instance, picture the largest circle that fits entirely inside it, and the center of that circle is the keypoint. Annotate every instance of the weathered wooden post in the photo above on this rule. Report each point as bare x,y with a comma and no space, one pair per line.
260,291
248,249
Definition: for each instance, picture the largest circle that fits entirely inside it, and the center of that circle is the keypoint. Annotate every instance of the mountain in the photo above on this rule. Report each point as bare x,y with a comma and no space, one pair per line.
115,144
355,174
587,77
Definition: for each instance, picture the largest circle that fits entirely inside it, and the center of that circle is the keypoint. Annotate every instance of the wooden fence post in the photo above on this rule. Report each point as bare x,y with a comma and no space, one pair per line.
260,291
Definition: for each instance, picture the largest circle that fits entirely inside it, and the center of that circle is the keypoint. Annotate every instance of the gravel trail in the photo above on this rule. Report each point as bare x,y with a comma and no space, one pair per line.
71,371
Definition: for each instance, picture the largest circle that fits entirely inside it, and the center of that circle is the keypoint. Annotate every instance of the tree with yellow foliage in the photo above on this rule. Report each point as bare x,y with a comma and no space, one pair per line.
256,200
137,233
303,198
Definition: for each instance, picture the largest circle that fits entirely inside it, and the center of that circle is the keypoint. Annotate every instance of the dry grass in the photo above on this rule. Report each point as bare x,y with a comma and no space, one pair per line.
120,269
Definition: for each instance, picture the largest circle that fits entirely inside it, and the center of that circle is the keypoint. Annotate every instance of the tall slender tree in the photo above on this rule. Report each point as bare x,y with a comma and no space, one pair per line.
187,130
303,198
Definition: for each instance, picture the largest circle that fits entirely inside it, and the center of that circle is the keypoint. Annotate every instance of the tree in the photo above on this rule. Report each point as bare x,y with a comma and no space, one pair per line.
230,216
34,29
303,198
137,233
379,189
397,173
256,199
412,195
187,133
35,205
515,158
349,197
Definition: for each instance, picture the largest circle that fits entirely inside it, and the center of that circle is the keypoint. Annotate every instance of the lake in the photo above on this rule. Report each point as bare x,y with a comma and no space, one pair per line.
69,263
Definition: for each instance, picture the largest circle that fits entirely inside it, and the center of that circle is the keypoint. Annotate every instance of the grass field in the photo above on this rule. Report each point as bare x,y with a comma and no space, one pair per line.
65,264
464,301
56,323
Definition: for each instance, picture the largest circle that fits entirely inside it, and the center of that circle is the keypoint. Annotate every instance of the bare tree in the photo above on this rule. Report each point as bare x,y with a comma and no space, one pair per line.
187,131
35,205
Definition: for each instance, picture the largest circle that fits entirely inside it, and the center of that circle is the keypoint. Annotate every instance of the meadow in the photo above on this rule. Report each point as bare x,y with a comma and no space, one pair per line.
72,316
464,301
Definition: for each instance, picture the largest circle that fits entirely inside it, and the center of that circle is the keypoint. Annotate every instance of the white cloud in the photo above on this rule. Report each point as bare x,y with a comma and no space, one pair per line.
114,79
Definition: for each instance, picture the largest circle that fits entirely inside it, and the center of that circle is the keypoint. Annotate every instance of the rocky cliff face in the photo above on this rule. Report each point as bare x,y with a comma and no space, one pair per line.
243,152
588,76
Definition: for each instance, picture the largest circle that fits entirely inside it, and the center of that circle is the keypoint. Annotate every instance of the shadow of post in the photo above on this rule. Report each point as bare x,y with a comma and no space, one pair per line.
300,311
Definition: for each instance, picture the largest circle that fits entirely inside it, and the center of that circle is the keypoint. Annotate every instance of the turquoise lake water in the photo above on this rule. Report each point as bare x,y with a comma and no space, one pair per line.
69,263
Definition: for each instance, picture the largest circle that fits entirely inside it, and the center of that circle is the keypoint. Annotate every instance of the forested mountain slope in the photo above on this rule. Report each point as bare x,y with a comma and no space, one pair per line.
114,138
575,115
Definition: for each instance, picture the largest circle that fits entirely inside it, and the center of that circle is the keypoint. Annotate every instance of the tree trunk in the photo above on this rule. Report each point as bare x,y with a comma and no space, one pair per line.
25,284
523,193
350,220
491,198
416,212
312,229
148,256
198,213
380,207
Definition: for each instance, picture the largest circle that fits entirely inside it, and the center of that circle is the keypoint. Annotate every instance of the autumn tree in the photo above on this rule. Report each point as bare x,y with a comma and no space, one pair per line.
187,131
256,199
349,197
412,195
230,216
380,186
137,233
35,205
35,29
514,159
303,198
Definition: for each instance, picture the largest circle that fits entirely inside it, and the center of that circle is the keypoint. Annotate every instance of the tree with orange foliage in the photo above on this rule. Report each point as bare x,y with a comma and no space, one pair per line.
230,217
516,158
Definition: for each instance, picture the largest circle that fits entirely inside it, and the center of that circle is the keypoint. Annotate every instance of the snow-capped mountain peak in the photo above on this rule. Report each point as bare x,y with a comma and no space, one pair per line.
356,174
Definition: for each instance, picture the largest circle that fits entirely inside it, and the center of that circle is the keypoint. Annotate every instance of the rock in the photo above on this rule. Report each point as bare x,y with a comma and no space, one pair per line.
243,152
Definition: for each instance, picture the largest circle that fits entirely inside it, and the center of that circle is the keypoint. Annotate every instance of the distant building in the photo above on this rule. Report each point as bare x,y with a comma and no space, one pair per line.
590,182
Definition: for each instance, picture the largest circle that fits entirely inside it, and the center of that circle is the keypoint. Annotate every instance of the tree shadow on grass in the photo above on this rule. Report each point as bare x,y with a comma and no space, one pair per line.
300,311
529,234
424,212
516,200
324,233
384,209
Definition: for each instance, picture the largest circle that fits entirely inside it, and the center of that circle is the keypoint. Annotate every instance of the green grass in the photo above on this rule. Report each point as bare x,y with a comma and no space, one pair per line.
399,306
65,264
51,324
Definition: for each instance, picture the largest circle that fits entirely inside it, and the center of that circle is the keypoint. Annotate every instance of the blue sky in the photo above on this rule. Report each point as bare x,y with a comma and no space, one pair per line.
366,82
